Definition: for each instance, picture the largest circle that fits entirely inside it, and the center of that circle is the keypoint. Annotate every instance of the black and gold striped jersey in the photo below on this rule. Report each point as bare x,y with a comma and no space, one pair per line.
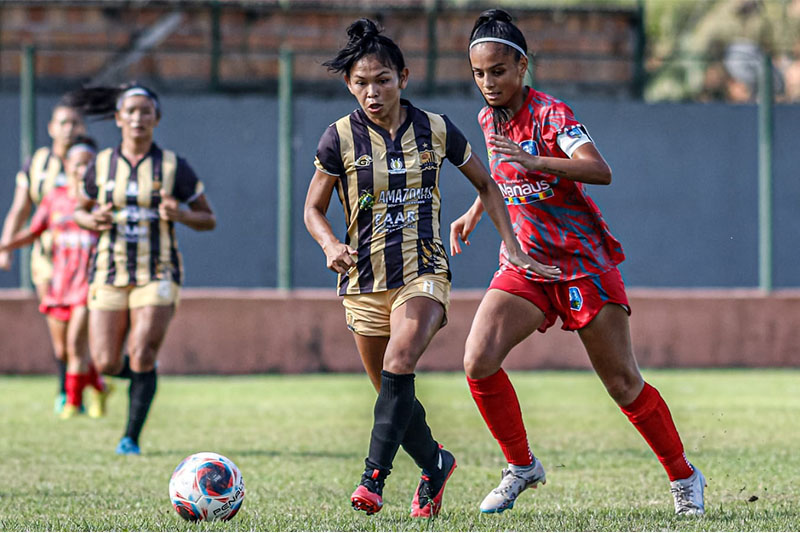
389,189
140,247
42,173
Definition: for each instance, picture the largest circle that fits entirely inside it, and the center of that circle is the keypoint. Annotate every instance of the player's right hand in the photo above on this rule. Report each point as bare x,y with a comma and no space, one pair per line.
340,257
102,217
5,260
461,228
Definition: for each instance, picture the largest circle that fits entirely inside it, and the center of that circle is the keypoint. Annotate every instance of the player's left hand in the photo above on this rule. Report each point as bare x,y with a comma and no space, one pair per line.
169,208
512,152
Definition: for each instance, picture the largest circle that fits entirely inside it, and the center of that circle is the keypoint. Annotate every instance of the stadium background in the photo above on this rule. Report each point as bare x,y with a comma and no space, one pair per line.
684,151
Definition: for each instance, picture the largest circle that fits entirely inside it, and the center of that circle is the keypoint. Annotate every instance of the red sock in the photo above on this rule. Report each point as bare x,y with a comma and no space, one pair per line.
73,384
498,404
651,416
94,379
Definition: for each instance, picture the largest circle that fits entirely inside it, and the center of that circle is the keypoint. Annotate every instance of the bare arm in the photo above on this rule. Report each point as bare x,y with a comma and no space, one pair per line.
199,216
339,256
586,164
93,219
492,201
16,217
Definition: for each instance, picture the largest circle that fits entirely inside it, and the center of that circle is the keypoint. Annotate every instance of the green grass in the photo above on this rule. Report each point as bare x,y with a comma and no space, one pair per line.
300,442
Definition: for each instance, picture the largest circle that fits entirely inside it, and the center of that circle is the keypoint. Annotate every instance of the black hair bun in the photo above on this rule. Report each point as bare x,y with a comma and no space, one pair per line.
494,14
362,29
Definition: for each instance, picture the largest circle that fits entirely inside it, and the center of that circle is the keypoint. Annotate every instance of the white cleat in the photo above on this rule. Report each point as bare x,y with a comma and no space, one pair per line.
688,494
511,486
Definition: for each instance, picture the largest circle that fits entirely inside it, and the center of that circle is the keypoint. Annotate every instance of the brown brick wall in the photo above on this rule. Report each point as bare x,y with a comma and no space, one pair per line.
77,41
256,331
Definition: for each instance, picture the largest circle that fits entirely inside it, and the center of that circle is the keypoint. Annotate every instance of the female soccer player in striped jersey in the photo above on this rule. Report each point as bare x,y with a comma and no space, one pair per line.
132,196
384,160
43,172
541,157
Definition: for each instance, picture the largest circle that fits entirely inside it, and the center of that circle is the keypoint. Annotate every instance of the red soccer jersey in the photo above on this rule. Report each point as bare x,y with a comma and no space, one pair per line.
554,219
73,247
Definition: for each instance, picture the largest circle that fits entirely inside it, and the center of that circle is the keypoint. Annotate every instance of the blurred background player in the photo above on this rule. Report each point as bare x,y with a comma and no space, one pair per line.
132,198
384,160
541,156
41,174
64,301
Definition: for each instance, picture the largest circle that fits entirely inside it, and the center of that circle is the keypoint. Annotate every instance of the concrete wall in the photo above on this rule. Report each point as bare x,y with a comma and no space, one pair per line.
683,201
256,331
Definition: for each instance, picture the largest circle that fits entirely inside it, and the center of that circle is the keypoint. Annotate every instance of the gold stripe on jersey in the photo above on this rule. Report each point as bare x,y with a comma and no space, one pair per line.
168,242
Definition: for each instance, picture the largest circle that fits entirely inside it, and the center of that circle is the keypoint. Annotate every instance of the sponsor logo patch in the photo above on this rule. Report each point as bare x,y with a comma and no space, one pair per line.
364,161
574,132
396,166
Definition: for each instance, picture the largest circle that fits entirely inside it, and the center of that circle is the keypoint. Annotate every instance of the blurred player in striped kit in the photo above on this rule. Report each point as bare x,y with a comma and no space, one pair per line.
541,157
43,172
383,160
132,196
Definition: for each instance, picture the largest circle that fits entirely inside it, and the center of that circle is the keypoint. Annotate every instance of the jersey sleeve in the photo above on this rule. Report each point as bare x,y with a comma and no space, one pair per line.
89,187
188,186
569,133
457,149
329,156
41,217
24,175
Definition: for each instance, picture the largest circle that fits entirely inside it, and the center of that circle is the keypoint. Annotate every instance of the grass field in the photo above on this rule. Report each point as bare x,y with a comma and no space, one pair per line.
300,442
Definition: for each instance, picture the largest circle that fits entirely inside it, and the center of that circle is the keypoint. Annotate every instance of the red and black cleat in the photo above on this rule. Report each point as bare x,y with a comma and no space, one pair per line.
368,496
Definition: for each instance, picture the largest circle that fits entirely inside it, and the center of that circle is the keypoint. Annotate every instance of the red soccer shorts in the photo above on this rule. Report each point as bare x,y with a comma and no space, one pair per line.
577,301
60,312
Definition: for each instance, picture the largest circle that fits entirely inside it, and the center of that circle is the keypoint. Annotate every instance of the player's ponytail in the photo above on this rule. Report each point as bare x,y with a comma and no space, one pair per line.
495,25
103,101
365,38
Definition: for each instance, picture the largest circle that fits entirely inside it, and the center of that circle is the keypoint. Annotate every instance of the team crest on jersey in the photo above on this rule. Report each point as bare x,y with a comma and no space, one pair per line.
366,200
364,161
575,299
396,166
530,147
427,160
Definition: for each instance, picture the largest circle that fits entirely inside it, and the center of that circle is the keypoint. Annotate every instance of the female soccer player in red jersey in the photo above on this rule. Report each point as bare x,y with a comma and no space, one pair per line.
541,157
41,174
384,160
64,300
132,196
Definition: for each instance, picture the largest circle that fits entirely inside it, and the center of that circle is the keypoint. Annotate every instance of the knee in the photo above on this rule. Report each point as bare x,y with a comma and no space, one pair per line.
480,360
400,361
624,388
143,357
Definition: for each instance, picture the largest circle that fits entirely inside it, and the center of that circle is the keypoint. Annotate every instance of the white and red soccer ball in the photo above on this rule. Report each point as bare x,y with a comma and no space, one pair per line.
206,486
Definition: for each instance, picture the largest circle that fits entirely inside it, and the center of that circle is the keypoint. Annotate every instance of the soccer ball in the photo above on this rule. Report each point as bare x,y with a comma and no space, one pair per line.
206,486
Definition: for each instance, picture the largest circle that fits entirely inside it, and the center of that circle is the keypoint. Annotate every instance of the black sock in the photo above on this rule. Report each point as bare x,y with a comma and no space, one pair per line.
418,441
393,410
62,376
140,394
126,371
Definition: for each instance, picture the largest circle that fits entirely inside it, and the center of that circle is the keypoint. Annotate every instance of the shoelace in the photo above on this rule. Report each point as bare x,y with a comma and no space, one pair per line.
508,481
683,497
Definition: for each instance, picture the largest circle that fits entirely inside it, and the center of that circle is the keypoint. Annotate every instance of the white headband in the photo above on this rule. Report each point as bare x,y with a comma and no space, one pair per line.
136,91
498,40
81,146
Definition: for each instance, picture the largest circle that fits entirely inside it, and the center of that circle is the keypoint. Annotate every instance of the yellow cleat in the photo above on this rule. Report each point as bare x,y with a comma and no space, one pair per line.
69,411
97,401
